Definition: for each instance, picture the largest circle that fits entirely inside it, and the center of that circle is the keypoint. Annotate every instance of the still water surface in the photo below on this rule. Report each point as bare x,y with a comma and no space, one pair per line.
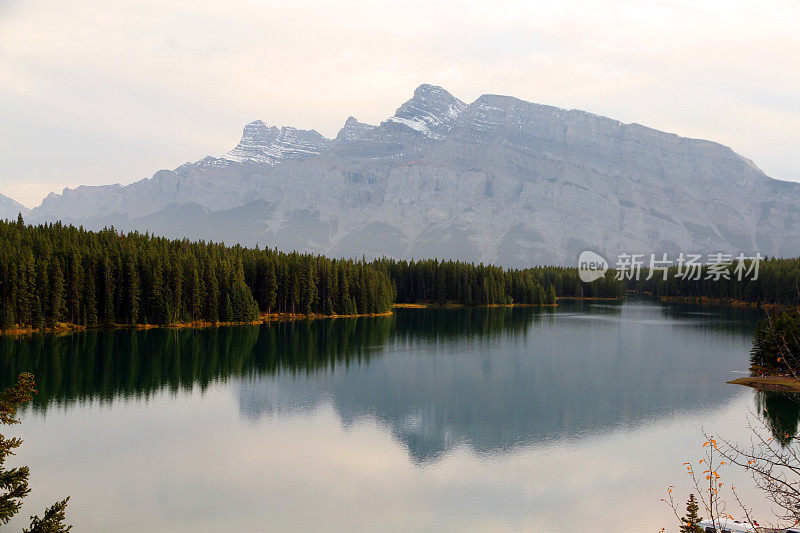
567,419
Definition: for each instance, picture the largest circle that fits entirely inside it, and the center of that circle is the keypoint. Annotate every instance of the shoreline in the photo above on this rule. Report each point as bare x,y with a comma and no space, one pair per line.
728,302
65,328
592,298
769,383
452,305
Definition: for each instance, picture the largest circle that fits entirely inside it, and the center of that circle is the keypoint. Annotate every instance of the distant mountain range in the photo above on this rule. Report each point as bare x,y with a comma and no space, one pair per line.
498,180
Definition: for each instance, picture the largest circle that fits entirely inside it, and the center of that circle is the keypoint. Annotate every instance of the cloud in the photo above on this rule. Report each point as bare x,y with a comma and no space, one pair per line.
104,92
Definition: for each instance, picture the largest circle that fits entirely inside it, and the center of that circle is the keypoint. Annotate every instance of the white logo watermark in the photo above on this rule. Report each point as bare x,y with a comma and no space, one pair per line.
591,266
717,266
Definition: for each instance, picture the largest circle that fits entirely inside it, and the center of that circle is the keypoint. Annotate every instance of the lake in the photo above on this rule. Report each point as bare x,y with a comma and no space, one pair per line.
568,419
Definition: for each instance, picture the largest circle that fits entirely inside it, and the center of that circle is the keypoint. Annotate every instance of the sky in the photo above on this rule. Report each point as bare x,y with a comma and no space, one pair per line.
99,91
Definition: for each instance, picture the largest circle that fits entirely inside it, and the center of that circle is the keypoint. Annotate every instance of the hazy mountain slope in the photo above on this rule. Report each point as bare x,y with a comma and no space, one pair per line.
10,208
498,180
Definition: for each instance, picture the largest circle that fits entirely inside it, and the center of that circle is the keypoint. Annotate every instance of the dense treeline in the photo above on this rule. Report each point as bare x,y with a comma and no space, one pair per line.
433,281
778,282
306,284
51,274
55,274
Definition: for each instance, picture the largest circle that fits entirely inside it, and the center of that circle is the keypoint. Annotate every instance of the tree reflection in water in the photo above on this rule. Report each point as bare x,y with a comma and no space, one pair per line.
781,413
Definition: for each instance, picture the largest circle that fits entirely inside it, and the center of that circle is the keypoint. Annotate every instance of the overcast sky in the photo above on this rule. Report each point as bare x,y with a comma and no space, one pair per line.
99,91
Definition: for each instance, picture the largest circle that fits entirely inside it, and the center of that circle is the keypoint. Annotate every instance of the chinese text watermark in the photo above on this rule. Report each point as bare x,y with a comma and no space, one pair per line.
684,266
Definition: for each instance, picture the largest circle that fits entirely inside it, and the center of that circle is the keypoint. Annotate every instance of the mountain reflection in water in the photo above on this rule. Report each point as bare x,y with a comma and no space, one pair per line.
491,379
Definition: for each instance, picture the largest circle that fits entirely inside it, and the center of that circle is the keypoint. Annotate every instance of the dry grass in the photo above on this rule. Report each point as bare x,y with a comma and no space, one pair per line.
770,383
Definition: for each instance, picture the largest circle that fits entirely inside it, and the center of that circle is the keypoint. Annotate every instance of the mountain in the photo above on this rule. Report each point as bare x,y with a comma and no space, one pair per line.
432,111
270,145
498,180
10,208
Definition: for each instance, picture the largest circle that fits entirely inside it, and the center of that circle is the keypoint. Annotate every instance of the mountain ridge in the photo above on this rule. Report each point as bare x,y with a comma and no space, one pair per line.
10,208
496,180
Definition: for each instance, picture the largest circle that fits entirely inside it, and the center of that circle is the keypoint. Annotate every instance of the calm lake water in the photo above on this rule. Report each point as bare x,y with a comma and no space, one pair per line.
567,419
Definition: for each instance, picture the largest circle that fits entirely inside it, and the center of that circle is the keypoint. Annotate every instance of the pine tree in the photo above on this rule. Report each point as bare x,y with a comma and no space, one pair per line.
90,298
193,291
691,522
341,304
7,317
14,481
75,288
212,295
270,285
42,310
133,292
158,311
52,520
176,292
108,291
38,315
309,289
294,288
441,286
26,286
227,310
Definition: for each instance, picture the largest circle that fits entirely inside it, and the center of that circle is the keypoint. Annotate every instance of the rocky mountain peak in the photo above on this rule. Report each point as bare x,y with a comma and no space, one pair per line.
430,111
268,144
353,130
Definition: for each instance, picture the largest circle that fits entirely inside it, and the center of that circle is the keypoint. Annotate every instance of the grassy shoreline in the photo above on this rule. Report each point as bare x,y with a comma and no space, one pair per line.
769,383
592,298
453,305
65,328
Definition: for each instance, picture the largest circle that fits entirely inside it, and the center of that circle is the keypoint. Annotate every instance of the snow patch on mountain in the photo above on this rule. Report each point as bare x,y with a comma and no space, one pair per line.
430,111
264,144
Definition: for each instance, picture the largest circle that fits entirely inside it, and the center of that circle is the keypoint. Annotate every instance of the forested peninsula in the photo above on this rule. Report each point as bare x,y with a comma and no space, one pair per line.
58,277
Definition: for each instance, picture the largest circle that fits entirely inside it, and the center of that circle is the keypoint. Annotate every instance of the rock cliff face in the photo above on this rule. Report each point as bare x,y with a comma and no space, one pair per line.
498,180
270,145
